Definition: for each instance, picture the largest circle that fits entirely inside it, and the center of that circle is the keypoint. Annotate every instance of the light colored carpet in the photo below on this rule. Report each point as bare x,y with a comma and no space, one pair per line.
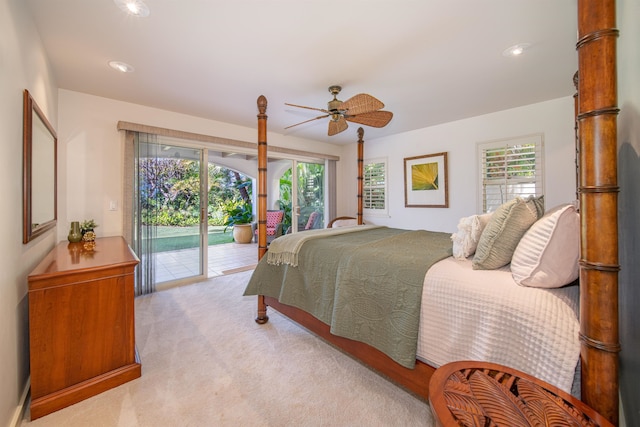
205,362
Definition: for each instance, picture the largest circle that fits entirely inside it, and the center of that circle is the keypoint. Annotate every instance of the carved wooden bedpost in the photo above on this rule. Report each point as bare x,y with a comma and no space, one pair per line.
597,116
262,196
360,173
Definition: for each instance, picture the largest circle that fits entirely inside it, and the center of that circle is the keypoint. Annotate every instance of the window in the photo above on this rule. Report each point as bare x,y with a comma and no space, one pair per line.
509,168
374,187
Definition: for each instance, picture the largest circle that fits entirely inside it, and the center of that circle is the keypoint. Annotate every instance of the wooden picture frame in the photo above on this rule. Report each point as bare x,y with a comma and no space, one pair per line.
425,181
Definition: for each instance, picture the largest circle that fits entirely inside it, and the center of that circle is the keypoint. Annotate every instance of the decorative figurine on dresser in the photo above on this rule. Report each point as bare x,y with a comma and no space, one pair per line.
81,323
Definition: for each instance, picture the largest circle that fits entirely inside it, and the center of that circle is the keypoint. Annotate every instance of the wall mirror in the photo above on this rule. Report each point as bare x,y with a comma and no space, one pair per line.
39,212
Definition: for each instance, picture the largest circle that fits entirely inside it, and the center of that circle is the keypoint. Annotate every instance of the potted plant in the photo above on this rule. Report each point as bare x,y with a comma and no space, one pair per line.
88,225
87,228
238,215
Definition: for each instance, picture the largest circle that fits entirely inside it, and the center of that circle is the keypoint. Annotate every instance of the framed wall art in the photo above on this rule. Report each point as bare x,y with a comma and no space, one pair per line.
425,181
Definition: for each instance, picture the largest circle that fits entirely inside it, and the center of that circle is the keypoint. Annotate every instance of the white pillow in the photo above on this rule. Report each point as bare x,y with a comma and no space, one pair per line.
547,255
465,240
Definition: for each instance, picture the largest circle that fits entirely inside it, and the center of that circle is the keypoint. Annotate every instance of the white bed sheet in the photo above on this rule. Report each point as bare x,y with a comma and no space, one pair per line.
484,315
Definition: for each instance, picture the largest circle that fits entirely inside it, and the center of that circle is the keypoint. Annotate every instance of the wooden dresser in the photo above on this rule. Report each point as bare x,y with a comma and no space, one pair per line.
81,323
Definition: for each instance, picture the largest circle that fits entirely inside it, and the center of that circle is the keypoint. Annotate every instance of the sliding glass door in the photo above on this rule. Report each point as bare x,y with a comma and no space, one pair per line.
169,222
178,189
308,186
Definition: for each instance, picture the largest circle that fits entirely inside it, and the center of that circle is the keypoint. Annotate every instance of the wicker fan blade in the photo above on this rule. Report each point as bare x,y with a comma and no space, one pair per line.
376,119
361,103
337,126
310,120
308,108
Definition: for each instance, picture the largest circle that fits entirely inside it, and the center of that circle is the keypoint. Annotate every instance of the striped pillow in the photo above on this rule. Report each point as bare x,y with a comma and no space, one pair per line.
547,255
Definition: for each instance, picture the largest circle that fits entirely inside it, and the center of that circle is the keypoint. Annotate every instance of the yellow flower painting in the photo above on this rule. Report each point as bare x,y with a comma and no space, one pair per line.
424,176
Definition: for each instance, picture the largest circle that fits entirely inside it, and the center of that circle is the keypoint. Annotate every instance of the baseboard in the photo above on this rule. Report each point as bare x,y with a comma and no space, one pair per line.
44,405
18,415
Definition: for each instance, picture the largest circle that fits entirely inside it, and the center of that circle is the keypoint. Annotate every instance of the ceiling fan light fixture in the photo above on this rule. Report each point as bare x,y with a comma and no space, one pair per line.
133,7
334,105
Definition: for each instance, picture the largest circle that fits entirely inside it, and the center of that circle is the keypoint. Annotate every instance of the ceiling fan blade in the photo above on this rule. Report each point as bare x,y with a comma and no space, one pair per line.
308,108
361,103
337,126
307,121
376,119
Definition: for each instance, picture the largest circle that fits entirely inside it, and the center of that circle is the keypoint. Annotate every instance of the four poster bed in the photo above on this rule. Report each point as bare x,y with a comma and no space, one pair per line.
597,328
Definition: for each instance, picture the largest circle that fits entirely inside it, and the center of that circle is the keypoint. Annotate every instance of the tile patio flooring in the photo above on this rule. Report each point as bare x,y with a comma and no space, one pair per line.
224,259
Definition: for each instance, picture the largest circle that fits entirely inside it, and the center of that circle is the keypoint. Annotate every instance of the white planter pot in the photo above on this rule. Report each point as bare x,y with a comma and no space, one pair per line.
242,233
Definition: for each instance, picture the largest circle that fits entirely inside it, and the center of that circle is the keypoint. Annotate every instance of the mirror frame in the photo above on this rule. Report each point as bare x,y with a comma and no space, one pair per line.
31,111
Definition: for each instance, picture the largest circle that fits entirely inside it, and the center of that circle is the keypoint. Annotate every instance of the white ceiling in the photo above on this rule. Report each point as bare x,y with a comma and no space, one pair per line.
429,61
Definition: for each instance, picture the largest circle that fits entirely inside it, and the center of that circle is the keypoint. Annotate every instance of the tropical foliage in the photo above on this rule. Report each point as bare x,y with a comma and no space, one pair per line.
284,202
310,191
236,212
170,191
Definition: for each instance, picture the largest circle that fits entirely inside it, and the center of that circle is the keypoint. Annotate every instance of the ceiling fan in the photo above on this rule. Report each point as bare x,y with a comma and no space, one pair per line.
362,108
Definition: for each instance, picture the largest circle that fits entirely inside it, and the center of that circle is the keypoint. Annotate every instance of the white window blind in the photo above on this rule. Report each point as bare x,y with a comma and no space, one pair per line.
510,168
374,186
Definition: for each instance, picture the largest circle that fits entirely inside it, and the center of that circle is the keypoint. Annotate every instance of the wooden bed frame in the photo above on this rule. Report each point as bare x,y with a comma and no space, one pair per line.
596,146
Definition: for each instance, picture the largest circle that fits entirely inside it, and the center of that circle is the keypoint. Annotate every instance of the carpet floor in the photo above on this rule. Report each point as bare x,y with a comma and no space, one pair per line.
205,362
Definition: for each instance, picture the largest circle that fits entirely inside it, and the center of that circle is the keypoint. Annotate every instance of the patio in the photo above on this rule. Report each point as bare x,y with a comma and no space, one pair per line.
225,258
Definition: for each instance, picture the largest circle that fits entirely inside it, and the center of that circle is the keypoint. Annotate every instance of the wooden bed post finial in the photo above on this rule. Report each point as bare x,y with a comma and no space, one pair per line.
262,106
262,196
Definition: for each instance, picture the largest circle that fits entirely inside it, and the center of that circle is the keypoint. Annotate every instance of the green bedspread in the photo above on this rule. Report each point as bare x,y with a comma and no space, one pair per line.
366,285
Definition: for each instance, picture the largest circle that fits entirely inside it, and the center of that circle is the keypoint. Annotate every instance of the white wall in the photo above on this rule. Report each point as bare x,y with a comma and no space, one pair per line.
90,152
23,65
553,118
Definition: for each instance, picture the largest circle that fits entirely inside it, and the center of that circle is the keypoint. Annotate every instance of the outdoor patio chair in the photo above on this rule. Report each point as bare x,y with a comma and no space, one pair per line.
274,226
312,222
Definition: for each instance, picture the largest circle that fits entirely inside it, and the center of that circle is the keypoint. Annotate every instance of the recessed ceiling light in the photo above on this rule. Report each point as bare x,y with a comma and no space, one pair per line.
123,67
515,50
133,7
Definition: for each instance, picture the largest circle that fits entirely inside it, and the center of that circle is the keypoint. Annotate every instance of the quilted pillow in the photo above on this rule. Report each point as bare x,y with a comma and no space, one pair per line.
465,240
547,255
505,229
